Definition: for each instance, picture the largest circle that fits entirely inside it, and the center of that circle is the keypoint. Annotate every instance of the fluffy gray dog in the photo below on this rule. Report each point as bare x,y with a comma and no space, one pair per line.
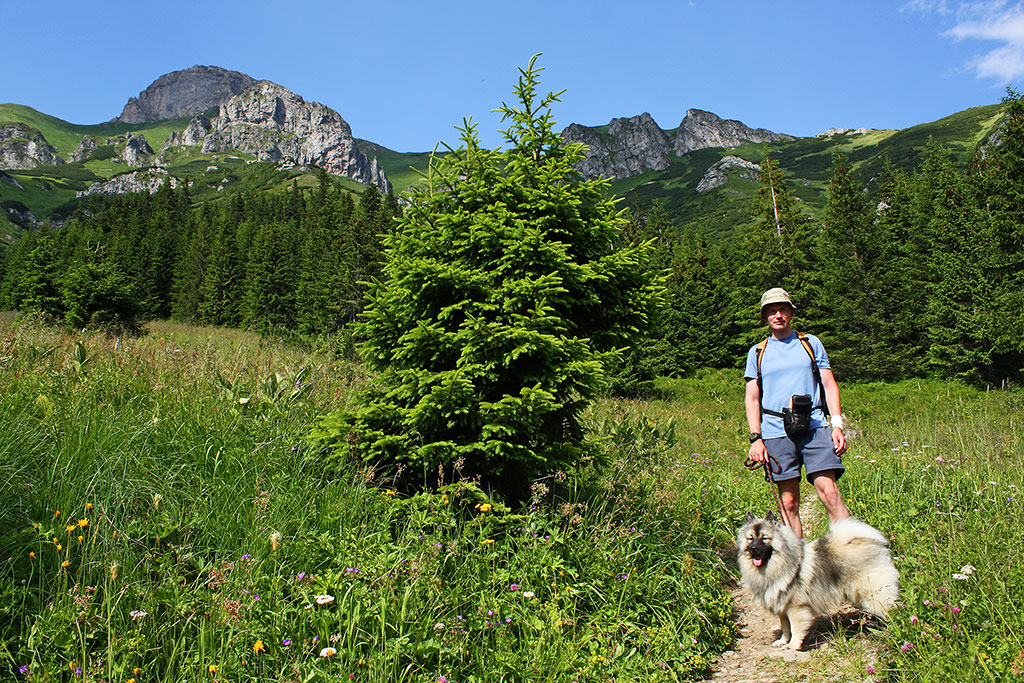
798,580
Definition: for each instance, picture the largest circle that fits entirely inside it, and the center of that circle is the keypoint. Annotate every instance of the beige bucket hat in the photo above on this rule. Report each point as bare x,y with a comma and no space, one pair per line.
776,295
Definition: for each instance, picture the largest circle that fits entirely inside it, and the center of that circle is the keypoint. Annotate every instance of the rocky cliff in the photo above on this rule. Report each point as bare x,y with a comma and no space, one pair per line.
184,93
148,180
273,123
716,175
22,146
628,147
701,129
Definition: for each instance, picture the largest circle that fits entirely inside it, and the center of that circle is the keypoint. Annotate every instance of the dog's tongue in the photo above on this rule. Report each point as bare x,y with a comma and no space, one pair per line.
757,561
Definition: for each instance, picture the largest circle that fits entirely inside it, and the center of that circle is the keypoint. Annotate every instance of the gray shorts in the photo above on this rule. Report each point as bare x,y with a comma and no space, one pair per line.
814,451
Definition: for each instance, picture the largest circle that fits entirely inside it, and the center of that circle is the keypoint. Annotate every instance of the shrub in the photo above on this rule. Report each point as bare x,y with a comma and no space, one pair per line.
97,294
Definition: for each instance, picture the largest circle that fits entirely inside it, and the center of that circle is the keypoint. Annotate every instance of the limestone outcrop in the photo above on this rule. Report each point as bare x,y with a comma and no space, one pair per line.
22,146
148,180
716,175
184,93
628,147
136,151
701,129
274,124
85,149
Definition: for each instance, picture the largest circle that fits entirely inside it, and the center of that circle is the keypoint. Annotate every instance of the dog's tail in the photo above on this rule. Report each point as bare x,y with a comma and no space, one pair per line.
848,530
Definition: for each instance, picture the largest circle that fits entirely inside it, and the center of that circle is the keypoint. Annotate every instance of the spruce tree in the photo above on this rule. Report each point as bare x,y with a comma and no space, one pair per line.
960,334
849,248
998,174
502,301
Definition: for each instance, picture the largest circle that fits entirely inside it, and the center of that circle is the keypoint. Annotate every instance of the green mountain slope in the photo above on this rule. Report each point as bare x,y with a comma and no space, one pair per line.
49,191
807,164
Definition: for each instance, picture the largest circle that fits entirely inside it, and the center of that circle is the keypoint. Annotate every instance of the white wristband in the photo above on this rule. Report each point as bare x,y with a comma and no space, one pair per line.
836,421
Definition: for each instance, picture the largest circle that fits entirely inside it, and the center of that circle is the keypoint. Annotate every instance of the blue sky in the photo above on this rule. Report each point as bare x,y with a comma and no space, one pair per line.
403,73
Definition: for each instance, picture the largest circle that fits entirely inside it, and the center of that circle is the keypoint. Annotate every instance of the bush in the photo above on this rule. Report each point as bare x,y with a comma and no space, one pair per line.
98,295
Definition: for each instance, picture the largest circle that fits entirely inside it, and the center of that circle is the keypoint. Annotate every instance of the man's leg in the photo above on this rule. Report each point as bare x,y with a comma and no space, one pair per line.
789,492
828,493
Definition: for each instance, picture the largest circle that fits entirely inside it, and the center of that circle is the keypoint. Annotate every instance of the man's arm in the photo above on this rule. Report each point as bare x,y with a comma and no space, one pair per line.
828,382
752,405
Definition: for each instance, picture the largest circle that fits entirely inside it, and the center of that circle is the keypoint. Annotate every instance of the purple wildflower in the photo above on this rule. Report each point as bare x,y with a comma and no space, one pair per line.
907,646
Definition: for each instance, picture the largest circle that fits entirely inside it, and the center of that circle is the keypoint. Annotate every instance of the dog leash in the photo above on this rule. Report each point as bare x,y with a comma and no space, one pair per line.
770,470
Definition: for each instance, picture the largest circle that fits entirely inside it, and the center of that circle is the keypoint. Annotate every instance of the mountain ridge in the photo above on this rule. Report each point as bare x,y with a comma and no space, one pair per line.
710,182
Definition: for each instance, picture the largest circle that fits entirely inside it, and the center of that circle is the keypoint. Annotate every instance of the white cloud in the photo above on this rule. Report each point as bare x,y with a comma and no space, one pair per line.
927,7
993,21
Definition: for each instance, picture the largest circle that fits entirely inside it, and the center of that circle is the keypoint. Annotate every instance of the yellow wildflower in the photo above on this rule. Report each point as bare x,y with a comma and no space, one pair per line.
212,668
60,547
136,670
257,647
56,540
57,513
65,563
70,527
130,680
32,554
488,541
83,523
71,666
88,506
81,538
389,492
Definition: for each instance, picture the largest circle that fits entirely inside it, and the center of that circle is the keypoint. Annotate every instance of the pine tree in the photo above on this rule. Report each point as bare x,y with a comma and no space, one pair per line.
502,301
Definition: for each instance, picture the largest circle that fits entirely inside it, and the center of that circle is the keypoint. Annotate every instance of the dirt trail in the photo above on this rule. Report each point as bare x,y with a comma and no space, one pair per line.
753,658
835,649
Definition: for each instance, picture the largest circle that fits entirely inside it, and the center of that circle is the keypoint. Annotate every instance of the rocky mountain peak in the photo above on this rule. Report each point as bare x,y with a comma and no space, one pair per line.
628,147
183,93
273,123
701,129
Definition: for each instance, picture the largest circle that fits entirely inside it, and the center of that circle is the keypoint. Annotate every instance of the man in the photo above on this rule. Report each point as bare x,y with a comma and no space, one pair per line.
786,371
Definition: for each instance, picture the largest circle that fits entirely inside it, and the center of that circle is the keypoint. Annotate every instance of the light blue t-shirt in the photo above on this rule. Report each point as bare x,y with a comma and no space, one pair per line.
785,371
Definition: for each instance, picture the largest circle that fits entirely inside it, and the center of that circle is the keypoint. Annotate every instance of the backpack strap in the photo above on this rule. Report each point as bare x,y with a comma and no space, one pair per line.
814,369
806,343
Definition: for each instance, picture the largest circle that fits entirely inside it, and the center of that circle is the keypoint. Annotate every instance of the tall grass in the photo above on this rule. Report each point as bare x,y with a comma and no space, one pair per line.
162,519
165,521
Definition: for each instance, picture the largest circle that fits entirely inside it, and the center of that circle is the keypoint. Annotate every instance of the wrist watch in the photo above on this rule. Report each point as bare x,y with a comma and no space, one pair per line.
754,436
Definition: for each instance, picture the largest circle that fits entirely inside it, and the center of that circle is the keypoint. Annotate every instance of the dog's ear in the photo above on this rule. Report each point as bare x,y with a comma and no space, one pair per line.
770,517
750,517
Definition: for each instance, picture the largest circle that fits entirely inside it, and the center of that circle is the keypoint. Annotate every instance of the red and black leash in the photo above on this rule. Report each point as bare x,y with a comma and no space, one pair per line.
771,467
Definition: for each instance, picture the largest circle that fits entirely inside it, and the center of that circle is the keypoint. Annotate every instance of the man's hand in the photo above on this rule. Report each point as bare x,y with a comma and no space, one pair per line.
758,453
839,441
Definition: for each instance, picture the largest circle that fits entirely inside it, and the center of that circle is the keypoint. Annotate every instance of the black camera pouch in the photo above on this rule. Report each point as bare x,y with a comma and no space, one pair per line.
797,417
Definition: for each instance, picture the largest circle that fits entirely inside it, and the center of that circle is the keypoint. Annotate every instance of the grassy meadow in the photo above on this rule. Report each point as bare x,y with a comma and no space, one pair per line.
163,518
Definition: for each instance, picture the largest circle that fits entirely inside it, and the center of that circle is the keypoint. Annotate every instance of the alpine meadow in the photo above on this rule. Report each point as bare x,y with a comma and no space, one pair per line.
264,419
